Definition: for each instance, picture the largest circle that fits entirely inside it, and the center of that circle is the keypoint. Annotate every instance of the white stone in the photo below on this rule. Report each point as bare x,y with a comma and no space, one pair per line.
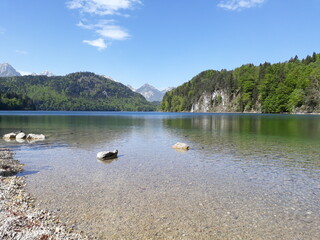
36,136
9,136
182,146
21,135
107,155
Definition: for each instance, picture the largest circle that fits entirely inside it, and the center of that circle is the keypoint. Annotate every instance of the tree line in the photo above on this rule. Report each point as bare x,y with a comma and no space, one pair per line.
82,91
291,86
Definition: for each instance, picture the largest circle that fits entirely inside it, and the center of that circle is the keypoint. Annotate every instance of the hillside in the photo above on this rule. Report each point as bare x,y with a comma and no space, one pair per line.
74,92
292,86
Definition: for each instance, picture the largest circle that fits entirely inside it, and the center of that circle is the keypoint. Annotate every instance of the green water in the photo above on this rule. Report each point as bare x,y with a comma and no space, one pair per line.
247,176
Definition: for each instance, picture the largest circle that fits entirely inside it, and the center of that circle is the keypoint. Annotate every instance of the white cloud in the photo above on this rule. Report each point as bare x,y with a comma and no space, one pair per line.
99,43
239,4
101,24
106,29
102,7
113,32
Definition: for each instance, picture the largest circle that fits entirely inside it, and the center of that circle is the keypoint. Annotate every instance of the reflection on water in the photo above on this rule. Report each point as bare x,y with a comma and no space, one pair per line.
73,130
290,126
288,140
245,176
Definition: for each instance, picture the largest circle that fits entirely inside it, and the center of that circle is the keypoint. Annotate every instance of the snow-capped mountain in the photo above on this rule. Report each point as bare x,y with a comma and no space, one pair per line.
6,70
43,73
151,93
46,73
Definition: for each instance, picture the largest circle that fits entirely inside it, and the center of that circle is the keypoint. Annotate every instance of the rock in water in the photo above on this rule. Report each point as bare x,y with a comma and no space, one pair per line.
21,135
9,136
107,155
182,146
36,136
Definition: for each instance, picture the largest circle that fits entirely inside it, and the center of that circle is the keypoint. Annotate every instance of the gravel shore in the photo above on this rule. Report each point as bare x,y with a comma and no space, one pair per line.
19,216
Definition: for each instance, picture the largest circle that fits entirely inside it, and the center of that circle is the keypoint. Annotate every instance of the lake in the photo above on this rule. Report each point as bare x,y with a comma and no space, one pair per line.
246,176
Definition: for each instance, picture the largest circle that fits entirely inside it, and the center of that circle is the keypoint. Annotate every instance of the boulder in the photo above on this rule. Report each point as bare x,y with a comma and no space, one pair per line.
107,155
181,146
21,135
9,136
32,136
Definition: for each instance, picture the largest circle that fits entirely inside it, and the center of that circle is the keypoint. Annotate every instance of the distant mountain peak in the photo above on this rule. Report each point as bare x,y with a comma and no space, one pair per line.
6,70
167,89
46,73
150,93
147,85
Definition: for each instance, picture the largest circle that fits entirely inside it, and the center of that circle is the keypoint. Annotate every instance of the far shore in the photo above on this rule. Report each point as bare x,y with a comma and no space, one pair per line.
52,112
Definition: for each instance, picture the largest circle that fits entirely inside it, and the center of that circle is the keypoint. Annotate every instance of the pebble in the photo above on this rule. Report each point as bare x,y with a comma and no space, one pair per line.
19,217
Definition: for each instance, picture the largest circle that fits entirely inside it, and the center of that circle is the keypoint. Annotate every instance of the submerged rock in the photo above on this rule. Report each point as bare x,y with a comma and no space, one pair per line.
107,155
20,140
106,161
181,146
9,139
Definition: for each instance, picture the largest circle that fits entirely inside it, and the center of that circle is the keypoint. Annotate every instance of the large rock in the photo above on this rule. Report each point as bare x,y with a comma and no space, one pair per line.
181,146
21,135
32,136
107,155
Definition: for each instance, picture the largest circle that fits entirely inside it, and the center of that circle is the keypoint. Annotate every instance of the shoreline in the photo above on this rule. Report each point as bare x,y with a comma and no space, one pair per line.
20,218
53,112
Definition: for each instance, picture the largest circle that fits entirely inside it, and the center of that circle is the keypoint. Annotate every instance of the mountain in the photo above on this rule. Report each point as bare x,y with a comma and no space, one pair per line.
291,87
150,93
79,91
43,73
6,70
167,89
46,73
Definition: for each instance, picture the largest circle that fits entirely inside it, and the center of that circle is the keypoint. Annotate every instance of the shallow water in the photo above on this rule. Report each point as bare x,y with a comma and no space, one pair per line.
245,177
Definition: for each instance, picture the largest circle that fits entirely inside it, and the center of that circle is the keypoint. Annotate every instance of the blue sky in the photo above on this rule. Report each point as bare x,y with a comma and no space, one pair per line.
161,42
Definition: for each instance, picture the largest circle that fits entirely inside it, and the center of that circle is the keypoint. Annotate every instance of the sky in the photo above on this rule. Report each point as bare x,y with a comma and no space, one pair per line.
161,42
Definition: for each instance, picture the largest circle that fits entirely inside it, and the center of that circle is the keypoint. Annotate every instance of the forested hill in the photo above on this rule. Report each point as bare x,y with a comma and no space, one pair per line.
74,92
292,86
